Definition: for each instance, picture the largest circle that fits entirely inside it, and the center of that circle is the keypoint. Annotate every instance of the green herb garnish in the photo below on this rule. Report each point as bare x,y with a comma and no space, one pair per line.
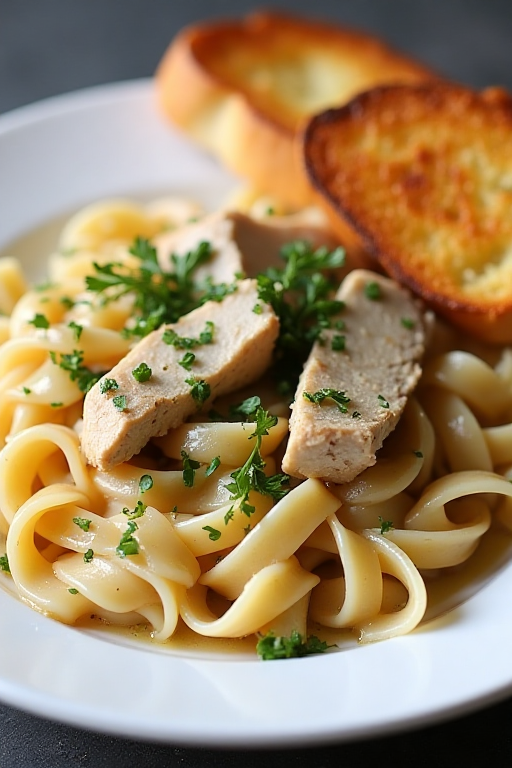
189,342
213,533
189,469
338,343
83,522
138,511
119,402
77,329
251,476
385,525
212,466
107,385
78,372
128,545
373,291
40,321
200,390
382,401
142,373
246,409
272,647
302,298
187,361
327,393
160,296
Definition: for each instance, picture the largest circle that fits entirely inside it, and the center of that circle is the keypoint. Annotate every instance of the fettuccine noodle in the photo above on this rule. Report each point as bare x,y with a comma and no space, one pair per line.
353,557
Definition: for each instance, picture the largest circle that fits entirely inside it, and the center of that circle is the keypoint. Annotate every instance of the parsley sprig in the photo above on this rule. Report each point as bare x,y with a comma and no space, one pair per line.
251,476
160,296
301,296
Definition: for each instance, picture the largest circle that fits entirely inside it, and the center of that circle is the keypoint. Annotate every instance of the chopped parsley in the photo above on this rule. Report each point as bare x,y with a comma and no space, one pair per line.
185,342
418,454
88,556
251,476
67,302
257,309
107,385
272,647
373,291
77,329
200,390
26,391
56,405
213,533
72,362
382,401
212,466
327,393
189,469
142,373
385,525
338,343
119,402
83,522
408,323
128,545
4,564
187,361
138,511
247,408
145,483
40,321
73,591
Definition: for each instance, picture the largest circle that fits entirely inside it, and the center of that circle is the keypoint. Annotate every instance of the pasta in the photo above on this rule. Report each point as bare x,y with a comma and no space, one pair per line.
146,543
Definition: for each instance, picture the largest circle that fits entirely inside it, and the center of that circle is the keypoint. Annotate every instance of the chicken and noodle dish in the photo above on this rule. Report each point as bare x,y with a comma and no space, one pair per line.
214,421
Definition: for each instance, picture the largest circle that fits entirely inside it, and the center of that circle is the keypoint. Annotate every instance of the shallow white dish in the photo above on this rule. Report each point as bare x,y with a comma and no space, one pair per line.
108,142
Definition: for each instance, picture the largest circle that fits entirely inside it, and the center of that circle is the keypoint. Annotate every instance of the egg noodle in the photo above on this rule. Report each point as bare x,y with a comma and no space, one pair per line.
352,556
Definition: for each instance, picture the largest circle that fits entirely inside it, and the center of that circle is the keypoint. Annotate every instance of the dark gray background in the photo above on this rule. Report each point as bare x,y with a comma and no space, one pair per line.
49,47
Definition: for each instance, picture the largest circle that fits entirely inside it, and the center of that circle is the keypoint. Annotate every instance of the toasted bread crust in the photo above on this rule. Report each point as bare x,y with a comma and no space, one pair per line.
242,88
423,175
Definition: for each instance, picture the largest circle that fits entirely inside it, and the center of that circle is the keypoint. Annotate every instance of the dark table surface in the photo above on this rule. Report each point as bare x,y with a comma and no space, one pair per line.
49,47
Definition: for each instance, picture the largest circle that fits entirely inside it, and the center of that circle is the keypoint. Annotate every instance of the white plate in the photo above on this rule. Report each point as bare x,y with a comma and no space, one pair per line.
54,157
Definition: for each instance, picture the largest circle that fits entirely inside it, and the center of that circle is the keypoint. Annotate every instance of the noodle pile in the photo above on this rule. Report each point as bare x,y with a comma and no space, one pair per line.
353,557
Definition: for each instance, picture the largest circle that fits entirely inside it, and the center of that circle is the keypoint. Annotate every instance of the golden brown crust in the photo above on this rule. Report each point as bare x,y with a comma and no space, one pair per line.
243,88
423,175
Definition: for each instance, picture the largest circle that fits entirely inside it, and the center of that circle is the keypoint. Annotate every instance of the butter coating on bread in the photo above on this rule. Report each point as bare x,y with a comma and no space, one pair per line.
242,88
423,174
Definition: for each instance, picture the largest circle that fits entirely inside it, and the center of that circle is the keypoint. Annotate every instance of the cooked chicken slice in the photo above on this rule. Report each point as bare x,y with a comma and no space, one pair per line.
239,243
126,407
370,373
